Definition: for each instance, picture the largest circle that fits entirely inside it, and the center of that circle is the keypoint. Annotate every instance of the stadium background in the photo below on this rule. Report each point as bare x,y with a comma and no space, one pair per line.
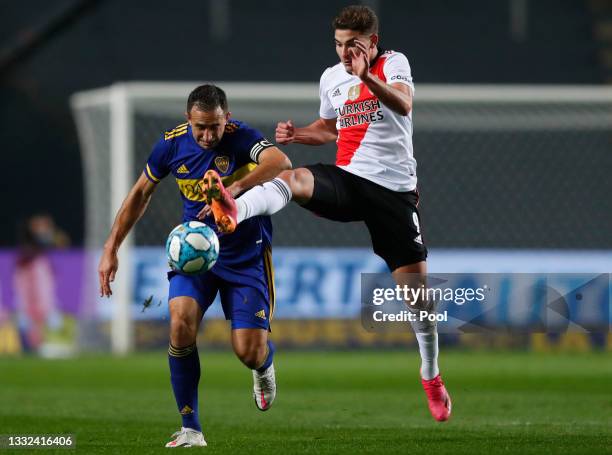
502,199
51,50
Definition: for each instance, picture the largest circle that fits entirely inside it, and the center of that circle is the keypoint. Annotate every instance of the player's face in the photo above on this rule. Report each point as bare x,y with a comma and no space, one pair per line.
207,126
345,41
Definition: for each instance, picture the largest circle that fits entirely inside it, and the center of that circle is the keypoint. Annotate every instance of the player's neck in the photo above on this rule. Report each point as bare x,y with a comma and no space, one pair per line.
374,55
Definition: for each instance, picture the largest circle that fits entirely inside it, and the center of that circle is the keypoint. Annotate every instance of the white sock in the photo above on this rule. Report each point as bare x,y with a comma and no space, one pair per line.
265,199
428,348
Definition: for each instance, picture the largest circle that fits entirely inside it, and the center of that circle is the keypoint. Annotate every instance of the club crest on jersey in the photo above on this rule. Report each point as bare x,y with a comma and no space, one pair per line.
222,163
354,92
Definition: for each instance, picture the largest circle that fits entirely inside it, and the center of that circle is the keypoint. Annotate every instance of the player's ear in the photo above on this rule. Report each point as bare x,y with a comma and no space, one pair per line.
228,115
374,39
187,116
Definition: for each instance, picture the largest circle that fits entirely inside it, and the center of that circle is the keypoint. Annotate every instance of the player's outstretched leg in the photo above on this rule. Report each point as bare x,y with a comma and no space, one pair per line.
221,202
270,197
267,198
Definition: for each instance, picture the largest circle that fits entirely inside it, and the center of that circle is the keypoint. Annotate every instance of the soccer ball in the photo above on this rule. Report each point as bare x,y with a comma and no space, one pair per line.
192,248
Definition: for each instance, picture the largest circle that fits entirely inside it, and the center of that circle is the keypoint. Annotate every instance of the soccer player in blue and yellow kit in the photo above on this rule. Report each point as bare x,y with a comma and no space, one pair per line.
211,143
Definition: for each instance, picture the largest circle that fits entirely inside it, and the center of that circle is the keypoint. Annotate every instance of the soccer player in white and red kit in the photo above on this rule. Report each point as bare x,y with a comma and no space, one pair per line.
366,104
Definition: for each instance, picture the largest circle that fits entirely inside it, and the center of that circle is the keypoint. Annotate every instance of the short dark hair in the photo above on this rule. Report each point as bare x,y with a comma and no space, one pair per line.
207,97
358,18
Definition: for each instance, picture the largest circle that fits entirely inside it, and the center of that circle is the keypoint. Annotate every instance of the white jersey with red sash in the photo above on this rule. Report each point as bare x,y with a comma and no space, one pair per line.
373,141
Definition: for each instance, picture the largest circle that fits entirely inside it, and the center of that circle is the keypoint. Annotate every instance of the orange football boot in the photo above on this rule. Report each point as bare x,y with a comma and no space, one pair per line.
221,202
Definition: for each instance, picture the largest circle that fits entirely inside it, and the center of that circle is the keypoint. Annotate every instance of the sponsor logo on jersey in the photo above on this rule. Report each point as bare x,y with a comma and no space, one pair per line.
361,107
182,169
261,314
399,77
354,92
366,111
418,239
222,163
337,92
191,189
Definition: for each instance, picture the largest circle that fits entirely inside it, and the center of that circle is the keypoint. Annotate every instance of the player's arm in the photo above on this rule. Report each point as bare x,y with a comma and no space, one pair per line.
396,96
319,132
131,210
270,162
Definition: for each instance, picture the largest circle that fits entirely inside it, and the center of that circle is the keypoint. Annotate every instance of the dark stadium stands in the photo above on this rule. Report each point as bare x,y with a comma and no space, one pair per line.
472,41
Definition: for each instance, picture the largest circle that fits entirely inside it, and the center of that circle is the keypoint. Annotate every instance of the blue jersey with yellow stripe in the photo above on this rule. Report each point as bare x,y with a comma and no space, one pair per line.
236,155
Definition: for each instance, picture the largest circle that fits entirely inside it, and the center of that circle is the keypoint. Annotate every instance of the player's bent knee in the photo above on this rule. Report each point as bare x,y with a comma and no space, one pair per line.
301,182
252,353
252,356
287,177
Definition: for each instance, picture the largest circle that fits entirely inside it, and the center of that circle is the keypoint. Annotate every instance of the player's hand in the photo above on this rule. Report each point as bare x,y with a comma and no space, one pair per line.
285,132
109,263
360,60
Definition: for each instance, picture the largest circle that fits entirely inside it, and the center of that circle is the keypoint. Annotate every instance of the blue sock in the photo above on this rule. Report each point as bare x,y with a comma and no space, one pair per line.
185,377
269,359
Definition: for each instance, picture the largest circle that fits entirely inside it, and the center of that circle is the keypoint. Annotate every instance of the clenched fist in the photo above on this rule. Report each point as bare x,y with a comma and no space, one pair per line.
285,132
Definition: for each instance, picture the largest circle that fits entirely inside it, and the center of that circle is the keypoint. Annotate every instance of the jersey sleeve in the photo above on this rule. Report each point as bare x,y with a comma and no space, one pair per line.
326,109
397,69
157,166
252,143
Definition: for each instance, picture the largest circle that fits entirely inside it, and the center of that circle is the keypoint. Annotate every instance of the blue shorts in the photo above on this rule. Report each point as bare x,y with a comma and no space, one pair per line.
249,305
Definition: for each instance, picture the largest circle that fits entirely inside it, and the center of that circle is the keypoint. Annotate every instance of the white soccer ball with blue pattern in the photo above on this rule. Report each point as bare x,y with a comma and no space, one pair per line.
192,248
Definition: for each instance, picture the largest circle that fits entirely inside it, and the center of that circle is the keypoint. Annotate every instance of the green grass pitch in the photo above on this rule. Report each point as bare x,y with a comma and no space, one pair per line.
327,403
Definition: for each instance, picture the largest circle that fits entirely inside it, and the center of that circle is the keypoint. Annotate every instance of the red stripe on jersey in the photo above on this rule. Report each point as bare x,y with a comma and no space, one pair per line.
350,137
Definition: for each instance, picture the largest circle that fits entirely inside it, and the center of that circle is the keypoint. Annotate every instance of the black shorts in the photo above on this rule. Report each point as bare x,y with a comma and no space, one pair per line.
392,217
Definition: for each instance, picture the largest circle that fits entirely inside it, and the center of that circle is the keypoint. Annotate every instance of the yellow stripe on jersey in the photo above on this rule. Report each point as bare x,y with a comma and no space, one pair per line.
150,174
178,131
179,127
269,267
238,174
167,137
190,188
